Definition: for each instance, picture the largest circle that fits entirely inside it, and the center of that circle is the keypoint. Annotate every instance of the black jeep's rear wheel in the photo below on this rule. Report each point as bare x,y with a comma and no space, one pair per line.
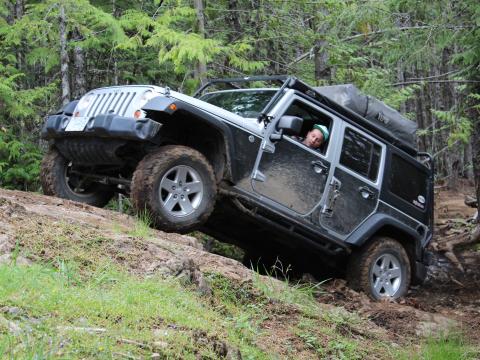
176,185
381,269
58,178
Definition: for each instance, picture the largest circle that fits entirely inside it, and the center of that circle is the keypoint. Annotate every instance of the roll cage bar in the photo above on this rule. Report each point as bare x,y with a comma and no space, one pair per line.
286,81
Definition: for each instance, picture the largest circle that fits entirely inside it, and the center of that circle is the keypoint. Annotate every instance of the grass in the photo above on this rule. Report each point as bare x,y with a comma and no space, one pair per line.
142,226
80,300
284,290
451,347
129,315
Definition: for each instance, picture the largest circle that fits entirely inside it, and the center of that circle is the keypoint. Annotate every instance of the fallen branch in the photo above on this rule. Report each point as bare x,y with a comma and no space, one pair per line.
449,246
471,201
89,330
133,342
125,355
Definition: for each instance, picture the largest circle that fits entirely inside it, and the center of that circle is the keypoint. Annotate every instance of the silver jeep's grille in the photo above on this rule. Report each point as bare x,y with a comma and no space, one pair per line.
110,101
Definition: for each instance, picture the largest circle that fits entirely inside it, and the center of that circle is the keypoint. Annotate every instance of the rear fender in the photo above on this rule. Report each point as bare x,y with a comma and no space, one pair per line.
380,222
413,240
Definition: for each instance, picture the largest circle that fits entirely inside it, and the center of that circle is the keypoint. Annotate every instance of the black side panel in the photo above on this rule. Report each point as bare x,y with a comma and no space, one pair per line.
350,207
290,177
406,186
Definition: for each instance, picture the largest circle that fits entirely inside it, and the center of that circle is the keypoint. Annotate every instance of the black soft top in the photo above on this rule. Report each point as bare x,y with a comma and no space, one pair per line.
373,110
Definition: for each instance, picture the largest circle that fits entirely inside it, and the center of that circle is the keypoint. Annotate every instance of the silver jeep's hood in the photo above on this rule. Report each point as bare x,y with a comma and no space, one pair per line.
128,100
121,100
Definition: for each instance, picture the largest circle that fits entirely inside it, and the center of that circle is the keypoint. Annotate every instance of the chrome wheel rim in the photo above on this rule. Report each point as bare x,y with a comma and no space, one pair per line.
181,191
386,276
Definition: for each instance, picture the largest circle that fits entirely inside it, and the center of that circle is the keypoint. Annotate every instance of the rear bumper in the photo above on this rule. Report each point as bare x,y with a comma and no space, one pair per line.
104,126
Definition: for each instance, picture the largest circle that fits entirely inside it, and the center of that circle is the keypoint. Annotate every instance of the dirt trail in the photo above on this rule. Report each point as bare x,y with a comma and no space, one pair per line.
450,297
30,214
451,293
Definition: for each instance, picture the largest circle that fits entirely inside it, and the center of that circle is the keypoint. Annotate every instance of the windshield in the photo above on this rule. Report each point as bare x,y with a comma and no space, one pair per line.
246,103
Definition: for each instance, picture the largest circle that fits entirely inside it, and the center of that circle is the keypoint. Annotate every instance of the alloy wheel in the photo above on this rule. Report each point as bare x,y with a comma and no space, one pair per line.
386,276
181,190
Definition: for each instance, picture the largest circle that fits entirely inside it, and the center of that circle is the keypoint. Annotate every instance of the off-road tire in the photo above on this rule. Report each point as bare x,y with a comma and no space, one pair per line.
54,182
360,265
145,188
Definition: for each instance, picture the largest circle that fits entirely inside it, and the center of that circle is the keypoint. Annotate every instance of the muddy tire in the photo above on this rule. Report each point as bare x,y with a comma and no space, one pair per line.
176,186
57,180
381,269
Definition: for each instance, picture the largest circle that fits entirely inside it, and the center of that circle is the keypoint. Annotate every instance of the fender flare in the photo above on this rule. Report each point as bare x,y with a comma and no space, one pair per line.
172,106
379,221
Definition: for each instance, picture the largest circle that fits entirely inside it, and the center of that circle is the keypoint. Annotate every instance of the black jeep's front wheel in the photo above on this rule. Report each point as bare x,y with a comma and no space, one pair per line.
176,186
381,269
58,178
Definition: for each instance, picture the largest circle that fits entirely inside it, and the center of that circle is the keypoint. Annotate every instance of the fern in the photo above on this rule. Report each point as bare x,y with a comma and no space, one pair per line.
19,162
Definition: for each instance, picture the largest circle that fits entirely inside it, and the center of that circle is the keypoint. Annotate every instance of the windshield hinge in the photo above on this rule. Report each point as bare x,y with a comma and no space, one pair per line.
266,119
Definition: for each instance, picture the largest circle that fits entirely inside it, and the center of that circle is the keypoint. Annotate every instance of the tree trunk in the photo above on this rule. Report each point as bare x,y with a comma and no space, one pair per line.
476,151
79,68
421,121
116,13
468,155
19,10
234,21
401,78
64,57
320,58
201,67
320,52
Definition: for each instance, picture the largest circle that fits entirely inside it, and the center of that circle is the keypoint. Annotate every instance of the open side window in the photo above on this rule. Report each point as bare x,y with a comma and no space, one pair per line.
310,117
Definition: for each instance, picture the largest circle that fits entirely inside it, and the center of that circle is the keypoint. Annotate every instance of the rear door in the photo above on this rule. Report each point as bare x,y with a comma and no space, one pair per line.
354,188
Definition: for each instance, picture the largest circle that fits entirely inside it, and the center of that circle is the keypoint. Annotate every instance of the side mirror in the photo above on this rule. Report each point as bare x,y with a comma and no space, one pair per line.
290,125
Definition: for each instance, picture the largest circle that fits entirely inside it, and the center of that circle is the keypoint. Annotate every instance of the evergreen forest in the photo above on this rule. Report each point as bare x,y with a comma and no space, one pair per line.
421,58
81,282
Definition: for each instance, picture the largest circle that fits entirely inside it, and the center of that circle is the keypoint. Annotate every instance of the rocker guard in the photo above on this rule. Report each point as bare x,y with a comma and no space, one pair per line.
103,125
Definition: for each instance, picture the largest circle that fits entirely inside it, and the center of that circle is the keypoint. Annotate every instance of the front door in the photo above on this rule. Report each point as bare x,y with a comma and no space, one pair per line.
292,176
353,190
290,173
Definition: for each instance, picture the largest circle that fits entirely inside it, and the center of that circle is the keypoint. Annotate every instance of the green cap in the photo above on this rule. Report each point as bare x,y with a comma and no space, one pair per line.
323,129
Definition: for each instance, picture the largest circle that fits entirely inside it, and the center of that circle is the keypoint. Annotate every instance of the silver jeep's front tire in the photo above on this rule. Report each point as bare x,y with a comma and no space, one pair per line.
176,186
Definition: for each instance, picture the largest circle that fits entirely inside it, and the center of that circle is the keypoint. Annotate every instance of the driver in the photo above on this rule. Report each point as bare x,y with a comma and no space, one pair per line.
316,137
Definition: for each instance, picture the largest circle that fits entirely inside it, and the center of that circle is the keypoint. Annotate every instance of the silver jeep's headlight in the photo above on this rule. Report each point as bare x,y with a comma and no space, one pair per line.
146,96
83,104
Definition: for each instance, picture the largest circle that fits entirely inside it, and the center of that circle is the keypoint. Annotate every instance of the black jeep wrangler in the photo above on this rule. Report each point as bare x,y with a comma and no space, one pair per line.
233,162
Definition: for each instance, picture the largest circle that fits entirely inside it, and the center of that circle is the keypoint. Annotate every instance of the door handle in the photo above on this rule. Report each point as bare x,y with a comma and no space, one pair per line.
366,192
319,167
